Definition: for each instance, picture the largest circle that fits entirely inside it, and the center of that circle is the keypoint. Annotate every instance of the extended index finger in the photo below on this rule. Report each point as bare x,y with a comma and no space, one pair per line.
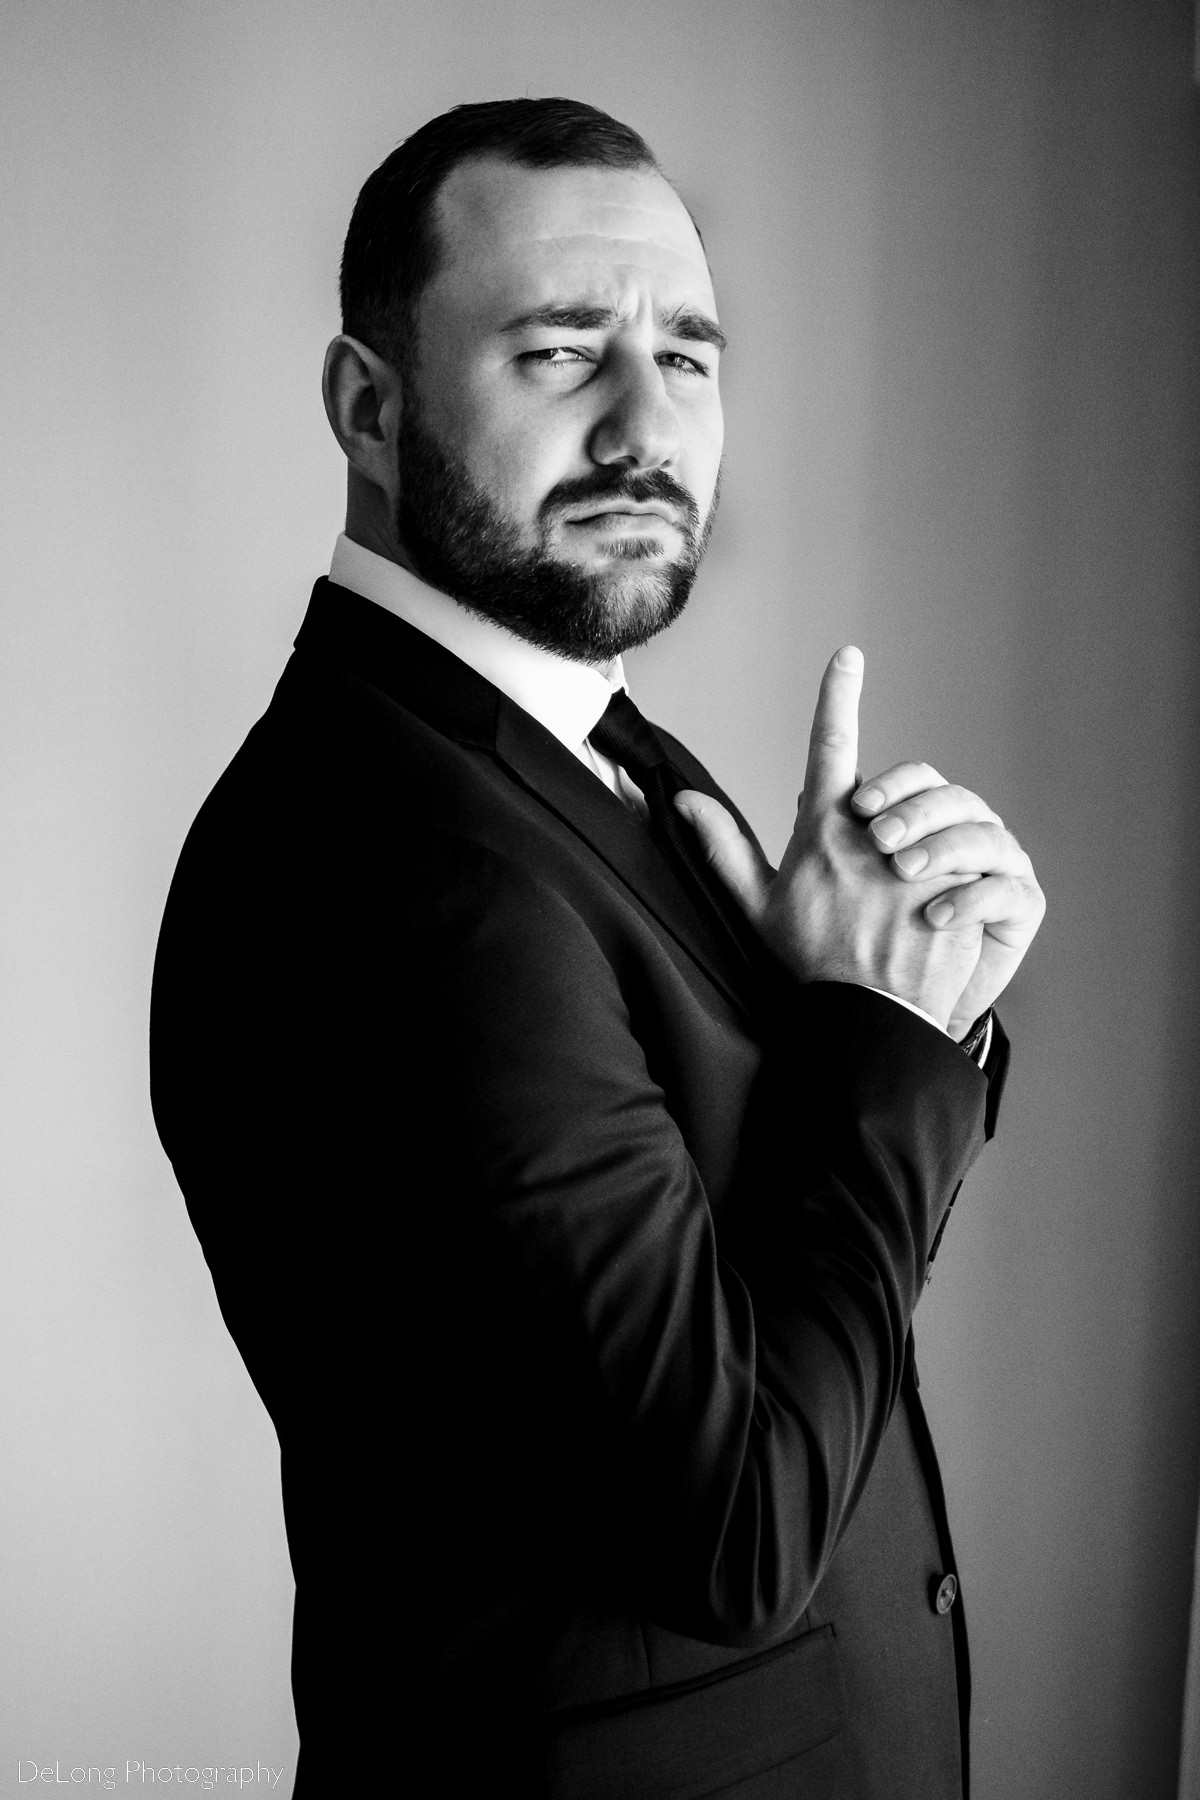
831,774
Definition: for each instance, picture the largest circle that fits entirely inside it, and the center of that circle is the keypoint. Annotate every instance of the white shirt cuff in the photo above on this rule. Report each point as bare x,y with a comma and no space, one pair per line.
919,1010
981,1054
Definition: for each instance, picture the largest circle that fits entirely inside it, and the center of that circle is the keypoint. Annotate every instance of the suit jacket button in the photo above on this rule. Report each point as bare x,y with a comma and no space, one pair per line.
943,1593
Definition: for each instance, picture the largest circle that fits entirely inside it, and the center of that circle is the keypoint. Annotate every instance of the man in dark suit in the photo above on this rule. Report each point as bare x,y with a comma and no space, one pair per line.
569,1177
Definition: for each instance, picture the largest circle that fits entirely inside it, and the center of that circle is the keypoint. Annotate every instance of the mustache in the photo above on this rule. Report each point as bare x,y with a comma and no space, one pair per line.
642,486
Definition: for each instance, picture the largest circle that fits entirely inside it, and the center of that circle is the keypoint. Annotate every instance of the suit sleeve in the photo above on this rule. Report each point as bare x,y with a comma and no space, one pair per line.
442,1137
739,1380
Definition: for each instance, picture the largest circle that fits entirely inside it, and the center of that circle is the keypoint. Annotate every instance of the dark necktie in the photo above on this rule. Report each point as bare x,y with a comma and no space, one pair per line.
629,739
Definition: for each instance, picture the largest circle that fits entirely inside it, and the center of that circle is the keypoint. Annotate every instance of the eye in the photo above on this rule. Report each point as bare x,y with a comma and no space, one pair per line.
556,356
685,365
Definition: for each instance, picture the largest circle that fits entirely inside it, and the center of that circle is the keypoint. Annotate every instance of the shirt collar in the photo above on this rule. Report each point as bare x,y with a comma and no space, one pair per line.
566,697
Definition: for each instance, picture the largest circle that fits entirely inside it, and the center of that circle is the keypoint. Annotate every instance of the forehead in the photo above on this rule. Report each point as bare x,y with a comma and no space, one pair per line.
514,238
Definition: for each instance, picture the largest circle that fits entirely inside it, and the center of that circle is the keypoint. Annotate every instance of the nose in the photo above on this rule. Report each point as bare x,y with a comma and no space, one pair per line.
638,427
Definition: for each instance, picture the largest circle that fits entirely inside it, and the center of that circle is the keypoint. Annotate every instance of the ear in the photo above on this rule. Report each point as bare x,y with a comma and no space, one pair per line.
362,396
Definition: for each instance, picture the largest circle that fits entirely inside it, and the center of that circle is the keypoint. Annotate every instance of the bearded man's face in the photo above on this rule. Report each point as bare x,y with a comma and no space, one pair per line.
559,452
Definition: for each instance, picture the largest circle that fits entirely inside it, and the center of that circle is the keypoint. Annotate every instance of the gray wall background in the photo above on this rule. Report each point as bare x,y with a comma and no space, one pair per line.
955,246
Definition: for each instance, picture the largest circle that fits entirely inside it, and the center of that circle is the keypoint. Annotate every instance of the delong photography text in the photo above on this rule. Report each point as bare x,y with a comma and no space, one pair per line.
144,1774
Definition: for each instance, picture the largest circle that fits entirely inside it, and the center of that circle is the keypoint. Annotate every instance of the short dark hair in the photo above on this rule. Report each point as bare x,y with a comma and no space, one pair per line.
391,248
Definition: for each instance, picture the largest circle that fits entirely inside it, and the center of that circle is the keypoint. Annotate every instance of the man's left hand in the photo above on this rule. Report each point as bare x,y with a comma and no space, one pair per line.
931,830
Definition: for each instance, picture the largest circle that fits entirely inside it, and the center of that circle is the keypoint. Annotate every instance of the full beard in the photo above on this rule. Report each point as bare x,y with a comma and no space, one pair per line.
459,540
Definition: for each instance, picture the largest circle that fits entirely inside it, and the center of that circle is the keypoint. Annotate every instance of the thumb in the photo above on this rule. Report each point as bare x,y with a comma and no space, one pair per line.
740,864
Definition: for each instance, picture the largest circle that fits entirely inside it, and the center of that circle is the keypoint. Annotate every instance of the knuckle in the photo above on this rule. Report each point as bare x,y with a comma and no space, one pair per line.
914,811
1021,903
993,841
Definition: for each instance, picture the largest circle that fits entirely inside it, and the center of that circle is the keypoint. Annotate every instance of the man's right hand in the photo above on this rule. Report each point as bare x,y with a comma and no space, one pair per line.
835,910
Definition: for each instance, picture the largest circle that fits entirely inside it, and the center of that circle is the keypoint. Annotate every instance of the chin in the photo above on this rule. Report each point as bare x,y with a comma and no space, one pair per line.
625,550
633,605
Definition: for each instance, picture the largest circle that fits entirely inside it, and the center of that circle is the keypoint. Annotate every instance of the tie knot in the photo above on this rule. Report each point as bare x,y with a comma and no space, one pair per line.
629,739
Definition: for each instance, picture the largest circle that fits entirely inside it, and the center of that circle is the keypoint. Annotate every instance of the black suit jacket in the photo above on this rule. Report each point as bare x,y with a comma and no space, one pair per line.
574,1262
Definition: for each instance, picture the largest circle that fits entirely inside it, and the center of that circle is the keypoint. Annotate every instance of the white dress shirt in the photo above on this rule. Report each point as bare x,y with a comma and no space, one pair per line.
566,697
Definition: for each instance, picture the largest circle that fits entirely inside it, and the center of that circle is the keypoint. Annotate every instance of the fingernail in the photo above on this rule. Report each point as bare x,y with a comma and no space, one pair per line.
850,657
888,831
870,799
911,861
940,913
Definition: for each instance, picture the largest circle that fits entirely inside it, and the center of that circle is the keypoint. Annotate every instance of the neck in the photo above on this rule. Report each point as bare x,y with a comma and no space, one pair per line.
368,523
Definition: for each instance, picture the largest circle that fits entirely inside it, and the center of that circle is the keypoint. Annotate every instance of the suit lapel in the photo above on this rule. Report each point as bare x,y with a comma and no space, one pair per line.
619,837
355,634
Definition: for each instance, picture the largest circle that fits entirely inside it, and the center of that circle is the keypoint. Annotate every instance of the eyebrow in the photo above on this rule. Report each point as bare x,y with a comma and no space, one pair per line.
683,322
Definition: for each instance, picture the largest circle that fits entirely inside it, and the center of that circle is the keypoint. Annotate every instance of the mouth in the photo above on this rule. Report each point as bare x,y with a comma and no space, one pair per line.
627,514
